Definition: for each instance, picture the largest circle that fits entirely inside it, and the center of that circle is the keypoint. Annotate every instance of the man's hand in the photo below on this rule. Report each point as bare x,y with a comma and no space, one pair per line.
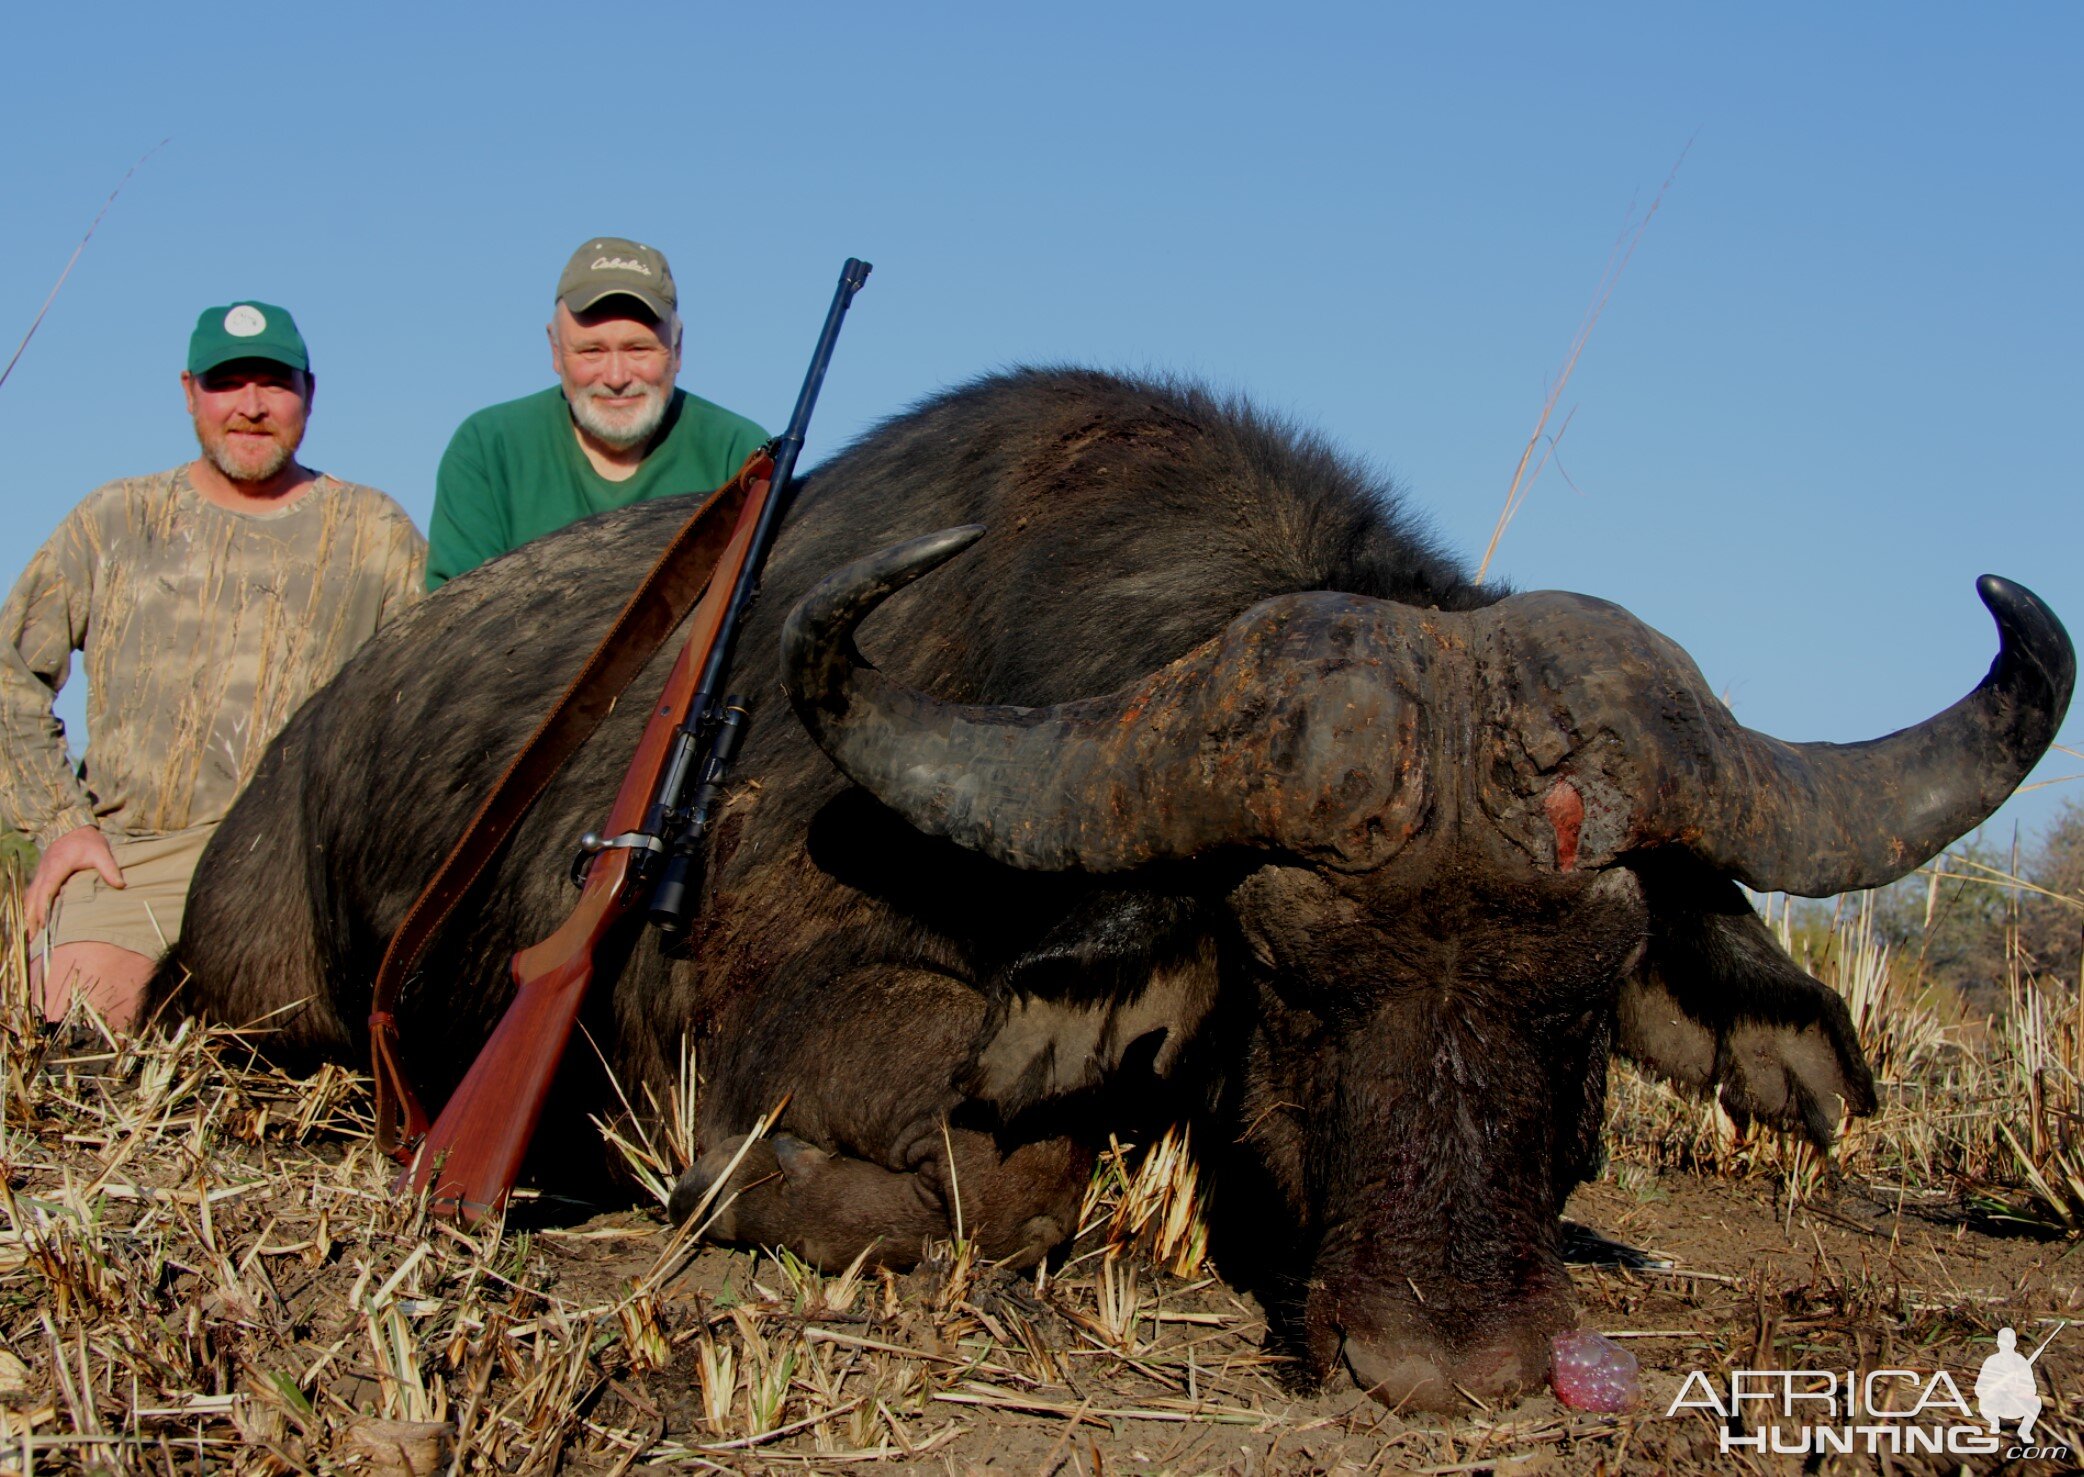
84,849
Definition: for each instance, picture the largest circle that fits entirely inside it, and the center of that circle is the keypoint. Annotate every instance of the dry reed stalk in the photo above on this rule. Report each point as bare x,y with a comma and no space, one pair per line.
1153,1202
73,260
1535,454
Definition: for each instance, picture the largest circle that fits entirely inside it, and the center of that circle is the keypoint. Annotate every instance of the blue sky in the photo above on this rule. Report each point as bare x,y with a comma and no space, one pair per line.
1837,381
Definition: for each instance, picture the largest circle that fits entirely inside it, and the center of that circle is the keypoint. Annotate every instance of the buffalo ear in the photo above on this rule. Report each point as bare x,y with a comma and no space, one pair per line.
1718,1006
1036,1047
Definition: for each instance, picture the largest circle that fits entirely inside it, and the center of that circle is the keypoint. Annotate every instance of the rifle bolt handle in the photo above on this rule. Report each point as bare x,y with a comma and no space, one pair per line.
593,842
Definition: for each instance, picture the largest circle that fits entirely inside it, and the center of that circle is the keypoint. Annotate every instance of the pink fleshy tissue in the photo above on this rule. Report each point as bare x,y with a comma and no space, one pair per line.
1589,1371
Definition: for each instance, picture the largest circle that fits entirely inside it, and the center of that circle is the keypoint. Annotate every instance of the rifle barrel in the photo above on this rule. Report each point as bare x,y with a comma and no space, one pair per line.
2059,1326
851,277
704,745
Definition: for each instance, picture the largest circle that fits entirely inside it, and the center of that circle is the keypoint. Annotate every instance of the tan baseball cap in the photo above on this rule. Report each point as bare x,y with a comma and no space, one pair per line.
610,266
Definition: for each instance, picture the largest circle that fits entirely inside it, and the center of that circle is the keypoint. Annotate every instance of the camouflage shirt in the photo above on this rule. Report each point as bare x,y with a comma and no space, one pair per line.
203,629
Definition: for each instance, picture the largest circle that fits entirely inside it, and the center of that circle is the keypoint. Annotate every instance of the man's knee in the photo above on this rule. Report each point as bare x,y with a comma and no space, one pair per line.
102,941
108,977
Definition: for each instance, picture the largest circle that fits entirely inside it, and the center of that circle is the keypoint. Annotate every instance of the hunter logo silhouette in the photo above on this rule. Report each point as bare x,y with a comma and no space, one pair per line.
2005,1389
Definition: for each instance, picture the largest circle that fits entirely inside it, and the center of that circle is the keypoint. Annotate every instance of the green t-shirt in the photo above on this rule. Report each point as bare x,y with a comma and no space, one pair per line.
514,472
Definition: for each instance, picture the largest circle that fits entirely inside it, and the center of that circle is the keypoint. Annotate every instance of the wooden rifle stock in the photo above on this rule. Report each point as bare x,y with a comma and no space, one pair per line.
473,1152
468,1159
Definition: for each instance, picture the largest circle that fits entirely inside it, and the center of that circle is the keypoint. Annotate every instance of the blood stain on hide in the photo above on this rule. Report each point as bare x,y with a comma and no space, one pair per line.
1566,812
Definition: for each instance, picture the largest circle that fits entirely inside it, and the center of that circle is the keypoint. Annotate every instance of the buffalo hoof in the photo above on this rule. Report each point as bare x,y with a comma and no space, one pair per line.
720,1220
824,1208
828,1208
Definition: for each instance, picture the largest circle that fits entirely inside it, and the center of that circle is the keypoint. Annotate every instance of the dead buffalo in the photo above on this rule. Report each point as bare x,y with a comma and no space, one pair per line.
1203,783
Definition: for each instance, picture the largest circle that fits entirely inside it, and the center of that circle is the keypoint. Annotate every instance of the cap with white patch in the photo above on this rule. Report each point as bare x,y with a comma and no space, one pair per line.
246,330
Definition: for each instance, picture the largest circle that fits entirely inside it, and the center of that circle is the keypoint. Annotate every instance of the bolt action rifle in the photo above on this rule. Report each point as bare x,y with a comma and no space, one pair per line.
644,857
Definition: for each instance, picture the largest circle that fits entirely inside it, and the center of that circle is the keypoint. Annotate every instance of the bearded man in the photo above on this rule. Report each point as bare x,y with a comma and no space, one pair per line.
614,430
208,603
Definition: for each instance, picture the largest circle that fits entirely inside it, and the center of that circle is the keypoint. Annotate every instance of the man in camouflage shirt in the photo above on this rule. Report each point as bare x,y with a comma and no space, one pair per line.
209,602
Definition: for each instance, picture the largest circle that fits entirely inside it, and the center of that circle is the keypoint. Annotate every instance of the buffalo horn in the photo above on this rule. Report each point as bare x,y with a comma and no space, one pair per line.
1302,727
1280,732
1816,819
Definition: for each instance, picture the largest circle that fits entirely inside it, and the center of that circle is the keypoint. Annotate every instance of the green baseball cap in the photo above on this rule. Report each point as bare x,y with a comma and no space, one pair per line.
246,330
612,266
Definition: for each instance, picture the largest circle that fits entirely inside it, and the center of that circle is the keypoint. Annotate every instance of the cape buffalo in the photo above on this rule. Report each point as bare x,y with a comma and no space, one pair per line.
1204,779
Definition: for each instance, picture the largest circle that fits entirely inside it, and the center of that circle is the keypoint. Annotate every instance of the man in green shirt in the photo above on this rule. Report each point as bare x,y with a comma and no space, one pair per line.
613,431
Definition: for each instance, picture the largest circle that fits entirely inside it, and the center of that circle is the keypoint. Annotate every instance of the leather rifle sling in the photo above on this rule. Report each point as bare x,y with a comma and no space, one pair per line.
661,601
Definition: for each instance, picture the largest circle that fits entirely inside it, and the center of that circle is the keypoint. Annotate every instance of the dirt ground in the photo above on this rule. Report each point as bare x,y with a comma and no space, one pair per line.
203,1267
1857,1283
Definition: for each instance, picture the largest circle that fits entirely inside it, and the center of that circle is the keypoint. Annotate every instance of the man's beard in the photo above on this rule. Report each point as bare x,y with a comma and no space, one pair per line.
218,451
620,429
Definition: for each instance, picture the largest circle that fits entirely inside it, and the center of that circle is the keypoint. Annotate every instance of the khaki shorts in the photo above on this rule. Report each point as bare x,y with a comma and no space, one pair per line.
143,915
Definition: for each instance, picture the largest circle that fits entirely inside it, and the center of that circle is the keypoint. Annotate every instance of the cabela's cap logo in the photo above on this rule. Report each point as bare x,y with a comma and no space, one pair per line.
615,266
245,321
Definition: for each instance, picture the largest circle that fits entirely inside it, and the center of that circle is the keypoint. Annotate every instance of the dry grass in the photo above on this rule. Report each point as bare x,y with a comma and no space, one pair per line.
202,1268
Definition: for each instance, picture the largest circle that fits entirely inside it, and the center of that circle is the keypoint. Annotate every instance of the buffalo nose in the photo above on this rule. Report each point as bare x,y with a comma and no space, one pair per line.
1423,1376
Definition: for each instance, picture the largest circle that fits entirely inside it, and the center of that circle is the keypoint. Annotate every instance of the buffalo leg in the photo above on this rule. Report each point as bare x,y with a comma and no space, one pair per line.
826,1207
877,1147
